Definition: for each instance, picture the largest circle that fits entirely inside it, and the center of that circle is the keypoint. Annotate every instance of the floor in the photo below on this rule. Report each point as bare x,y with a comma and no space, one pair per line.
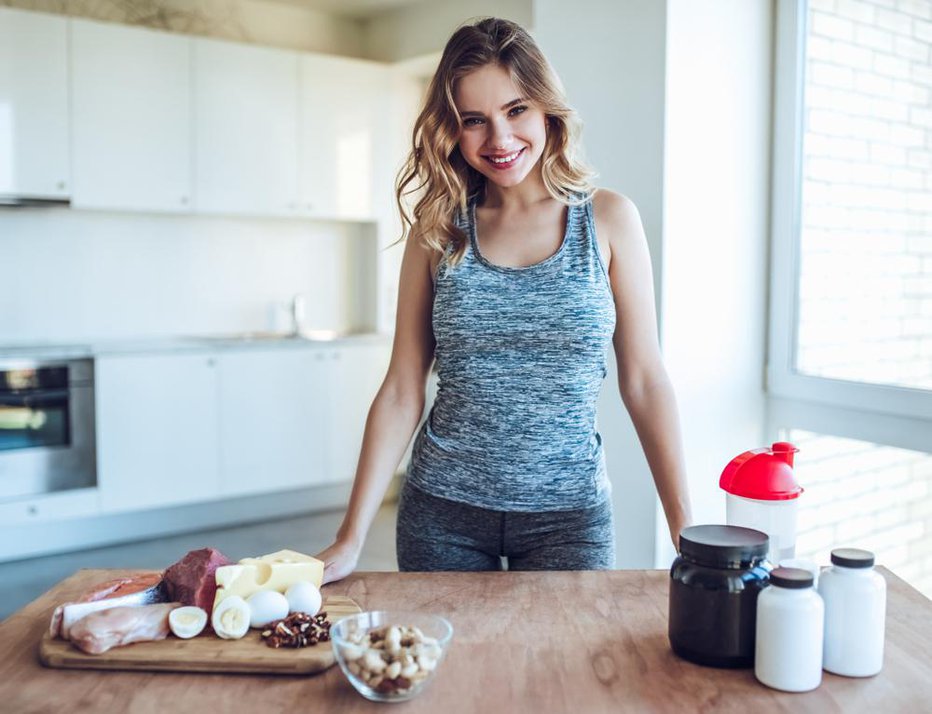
23,581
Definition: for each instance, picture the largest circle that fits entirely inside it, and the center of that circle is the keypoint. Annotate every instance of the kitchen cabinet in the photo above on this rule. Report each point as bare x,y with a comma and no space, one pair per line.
157,430
246,133
357,373
343,114
34,145
294,418
131,118
273,420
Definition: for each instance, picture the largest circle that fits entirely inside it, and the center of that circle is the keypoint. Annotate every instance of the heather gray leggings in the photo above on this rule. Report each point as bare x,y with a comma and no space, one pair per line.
438,534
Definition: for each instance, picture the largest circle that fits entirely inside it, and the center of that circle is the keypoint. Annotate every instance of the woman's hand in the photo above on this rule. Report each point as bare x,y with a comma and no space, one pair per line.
339,559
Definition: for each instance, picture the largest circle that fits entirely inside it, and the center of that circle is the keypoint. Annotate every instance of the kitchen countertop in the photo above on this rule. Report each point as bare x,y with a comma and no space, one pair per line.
583,642
178,344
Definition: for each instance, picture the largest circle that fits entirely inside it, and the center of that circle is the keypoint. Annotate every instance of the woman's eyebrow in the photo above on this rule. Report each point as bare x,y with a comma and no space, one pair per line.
504,107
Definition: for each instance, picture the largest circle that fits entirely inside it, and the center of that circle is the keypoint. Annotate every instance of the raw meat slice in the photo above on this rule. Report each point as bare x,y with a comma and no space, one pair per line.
142,589
191,580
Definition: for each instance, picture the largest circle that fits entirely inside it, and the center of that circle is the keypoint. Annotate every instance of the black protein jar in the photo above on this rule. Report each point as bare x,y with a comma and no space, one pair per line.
714,584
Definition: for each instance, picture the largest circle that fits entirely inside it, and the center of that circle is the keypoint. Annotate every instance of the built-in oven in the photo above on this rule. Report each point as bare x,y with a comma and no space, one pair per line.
47,441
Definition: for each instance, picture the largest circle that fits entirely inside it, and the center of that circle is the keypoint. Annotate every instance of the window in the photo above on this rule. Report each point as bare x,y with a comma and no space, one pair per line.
850,354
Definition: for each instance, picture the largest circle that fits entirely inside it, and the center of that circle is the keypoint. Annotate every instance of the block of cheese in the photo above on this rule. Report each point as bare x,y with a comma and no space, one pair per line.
276,571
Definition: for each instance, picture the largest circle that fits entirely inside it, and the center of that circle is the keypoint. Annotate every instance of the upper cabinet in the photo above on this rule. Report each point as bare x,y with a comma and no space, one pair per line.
344,102
156,121
131,114
246,135
34,153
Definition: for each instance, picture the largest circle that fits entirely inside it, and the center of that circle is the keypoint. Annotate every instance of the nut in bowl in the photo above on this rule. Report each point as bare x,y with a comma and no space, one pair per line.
390,656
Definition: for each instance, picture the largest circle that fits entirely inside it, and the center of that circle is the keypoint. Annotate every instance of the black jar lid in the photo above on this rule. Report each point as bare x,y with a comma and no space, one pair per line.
792,578
852,558
723,546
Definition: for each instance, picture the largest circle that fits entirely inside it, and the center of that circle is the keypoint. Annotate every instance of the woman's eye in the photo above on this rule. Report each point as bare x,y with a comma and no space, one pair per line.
513,112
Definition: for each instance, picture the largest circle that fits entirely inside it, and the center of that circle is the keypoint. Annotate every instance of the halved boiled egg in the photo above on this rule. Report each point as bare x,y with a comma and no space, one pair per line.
231,618
187,622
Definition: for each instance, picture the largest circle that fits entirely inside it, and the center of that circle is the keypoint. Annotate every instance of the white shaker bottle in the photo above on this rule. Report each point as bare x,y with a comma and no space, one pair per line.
788,640
855,597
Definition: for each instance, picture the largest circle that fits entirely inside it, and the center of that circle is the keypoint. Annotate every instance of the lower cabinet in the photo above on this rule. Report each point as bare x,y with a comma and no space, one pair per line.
273,417
181,428
157,430
357,372
294,418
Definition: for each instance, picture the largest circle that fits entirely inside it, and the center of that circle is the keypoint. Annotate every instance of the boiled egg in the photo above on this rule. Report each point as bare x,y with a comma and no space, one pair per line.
303,596
187,622
231,618
265,607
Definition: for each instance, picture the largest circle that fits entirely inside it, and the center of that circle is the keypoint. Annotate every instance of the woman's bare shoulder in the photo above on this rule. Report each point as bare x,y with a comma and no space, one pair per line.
616,211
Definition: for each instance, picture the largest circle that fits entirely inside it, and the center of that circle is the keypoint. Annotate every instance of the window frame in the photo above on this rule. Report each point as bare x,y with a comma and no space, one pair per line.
885,414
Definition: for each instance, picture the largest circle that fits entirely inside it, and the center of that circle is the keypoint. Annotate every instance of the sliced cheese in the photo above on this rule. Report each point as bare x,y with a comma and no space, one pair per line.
276,571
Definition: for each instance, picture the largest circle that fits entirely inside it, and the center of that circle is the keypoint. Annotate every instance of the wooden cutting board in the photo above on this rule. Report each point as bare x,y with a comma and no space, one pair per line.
204,653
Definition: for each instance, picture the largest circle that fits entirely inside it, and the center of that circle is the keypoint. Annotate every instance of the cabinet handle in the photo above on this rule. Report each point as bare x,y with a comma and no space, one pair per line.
61,185
211,362
32,510
184,200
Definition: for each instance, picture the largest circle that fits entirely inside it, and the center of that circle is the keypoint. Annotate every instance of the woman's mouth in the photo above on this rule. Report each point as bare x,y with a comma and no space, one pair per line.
501,163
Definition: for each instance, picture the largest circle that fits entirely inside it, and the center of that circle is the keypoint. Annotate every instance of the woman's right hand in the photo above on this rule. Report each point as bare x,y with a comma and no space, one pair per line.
339,559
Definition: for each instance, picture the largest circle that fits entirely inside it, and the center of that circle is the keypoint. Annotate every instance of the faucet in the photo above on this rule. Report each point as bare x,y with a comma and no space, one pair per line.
298,305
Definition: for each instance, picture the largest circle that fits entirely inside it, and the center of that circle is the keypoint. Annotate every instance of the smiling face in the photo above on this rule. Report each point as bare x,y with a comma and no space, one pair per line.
504,133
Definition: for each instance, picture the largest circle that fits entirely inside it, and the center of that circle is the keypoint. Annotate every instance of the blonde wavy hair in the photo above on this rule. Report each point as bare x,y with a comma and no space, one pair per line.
437,171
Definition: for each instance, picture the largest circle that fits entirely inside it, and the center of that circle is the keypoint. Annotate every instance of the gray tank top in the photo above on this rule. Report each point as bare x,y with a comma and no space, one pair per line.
520,356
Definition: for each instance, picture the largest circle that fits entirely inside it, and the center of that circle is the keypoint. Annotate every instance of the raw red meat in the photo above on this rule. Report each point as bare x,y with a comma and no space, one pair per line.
190,581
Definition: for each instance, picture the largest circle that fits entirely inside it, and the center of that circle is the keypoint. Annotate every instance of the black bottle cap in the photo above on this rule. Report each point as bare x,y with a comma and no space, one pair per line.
792,578
725,546
852,558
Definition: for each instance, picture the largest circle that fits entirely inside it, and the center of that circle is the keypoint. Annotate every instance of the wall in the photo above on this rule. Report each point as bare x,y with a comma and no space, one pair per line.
586,42
424,27
81,275
716,217
264,23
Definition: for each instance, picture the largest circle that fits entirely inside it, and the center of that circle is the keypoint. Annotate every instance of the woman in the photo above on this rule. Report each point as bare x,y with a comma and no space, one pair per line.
516,276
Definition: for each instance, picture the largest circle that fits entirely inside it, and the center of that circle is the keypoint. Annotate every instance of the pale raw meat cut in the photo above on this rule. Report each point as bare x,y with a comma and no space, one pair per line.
118,626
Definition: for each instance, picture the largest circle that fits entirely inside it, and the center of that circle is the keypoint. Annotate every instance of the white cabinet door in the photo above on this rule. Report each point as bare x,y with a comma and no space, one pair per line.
34,153
157,430
357,373
131,113
274,412
246,136
343,123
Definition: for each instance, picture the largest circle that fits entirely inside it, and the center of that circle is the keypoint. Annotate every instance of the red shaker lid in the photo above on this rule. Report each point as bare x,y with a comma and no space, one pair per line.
763,474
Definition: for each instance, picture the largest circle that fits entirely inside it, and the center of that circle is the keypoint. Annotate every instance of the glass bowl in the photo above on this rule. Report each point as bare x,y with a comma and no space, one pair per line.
390,656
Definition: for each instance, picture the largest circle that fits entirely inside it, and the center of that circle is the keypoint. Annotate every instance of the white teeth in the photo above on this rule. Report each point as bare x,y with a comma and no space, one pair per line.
504,159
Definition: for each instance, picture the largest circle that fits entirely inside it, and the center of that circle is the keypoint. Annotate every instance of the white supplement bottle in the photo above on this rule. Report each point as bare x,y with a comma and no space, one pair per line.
855,597
788,642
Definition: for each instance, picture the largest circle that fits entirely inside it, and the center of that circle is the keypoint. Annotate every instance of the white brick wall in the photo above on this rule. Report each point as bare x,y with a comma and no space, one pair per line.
865,280
862,495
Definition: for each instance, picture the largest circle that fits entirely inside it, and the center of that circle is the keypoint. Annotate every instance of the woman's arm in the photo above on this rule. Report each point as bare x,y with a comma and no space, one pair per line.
395,412
642,379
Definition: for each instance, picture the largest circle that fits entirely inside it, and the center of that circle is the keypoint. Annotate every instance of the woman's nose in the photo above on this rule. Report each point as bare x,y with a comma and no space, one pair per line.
499,134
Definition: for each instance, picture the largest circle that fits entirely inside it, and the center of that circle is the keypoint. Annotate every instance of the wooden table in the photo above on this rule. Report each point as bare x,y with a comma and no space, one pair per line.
524,642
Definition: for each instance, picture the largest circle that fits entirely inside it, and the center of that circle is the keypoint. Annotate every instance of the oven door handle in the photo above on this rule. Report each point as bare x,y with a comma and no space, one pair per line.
45,398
